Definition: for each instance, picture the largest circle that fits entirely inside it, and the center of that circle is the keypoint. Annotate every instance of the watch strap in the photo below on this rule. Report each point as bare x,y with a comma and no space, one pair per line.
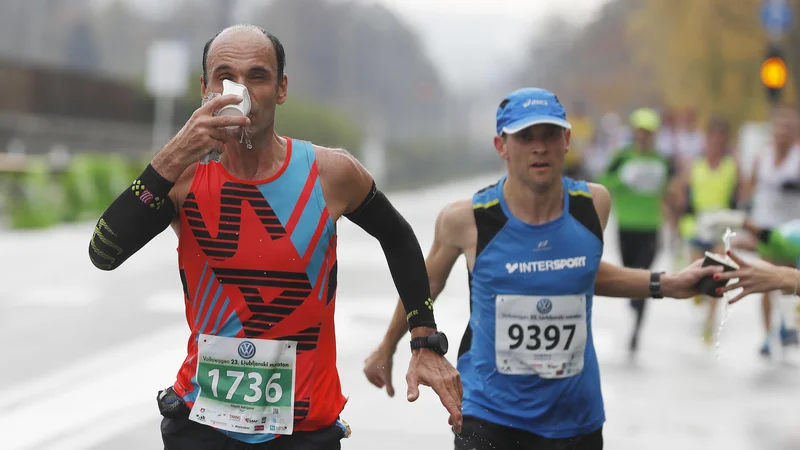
655,285
419,342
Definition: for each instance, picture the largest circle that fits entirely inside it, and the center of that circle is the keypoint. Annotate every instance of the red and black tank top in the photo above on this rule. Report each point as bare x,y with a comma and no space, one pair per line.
257,260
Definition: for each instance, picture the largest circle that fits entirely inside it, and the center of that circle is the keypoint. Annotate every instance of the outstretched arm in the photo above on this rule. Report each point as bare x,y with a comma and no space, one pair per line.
755,276
376,215
616,281
451,225
623,282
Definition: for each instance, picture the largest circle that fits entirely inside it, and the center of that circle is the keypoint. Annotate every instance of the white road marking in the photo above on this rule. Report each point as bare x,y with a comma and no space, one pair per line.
107,361
90,391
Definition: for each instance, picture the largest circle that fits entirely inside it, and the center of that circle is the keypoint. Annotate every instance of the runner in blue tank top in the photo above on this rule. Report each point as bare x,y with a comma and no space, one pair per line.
533,244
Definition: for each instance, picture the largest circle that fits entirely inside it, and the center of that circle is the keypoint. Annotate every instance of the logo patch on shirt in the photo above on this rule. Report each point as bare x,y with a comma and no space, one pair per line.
547,265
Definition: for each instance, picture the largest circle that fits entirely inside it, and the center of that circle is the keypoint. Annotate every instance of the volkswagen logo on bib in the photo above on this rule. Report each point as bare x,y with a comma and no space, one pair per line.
544,306
247,350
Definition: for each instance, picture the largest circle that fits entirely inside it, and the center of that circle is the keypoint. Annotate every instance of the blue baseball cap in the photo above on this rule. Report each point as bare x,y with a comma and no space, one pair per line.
530,106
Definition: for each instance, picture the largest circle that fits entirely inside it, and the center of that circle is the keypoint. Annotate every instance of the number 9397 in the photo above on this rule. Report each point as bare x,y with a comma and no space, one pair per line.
536,337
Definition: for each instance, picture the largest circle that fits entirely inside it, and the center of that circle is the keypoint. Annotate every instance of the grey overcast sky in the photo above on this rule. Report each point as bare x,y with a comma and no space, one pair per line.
478,42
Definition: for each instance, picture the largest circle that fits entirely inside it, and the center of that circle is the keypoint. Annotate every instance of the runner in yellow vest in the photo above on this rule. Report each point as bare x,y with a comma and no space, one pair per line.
709,184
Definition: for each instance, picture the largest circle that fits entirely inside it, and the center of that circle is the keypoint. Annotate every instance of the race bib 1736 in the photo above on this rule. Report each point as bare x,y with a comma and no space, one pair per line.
246,385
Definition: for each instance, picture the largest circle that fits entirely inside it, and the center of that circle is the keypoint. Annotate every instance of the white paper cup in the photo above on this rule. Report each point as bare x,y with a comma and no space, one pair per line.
237,109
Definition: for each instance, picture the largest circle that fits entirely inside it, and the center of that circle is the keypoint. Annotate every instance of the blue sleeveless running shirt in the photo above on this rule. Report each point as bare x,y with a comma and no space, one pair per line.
527,360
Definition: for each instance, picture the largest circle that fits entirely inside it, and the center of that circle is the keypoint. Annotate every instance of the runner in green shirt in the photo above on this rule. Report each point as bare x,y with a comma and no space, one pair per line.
637,178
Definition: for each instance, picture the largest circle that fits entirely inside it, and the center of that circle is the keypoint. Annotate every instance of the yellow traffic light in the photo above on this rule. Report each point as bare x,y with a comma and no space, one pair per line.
774,73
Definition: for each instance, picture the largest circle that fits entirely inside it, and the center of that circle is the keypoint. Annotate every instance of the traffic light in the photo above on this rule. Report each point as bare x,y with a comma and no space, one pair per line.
774,73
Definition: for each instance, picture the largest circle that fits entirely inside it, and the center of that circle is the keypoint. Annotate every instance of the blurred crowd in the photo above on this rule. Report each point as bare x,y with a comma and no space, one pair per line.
665,168
678,135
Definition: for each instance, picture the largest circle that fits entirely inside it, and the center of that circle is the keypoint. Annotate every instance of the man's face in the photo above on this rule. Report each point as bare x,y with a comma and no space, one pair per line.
247,57
535,154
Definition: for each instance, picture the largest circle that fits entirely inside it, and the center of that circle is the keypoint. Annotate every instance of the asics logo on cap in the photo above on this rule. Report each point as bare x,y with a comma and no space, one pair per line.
534,102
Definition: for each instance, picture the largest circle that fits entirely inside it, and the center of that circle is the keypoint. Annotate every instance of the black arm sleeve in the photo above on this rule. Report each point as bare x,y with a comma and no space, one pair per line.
379,218
138,215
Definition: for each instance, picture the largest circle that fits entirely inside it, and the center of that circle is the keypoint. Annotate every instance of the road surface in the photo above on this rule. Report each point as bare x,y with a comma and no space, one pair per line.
84,352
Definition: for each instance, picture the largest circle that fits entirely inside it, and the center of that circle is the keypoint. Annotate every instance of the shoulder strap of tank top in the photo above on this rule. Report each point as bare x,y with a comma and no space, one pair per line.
581,207
489,215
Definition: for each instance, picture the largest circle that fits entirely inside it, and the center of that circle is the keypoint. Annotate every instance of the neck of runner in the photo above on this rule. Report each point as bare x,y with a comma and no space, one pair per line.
263,160
531,205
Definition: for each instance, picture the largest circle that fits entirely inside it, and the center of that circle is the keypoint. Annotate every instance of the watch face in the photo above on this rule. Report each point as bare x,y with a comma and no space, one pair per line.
443,342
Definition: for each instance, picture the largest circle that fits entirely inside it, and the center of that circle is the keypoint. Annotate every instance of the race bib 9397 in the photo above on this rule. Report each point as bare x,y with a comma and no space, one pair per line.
540,335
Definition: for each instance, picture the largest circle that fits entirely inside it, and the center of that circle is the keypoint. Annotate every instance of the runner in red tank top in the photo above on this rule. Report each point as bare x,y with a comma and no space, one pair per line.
257,258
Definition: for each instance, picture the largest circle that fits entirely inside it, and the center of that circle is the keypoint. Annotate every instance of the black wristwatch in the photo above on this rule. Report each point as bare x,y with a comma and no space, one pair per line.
655,285
436,342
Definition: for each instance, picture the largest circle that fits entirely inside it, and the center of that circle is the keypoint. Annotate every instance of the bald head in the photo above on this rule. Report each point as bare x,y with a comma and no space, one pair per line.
245,32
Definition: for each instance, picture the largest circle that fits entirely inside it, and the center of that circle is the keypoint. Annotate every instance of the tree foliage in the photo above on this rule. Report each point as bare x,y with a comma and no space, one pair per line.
320,124
704,54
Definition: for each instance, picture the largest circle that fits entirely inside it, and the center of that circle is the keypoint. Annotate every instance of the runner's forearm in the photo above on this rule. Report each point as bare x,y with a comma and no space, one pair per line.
139,214
379,218
398,327
788,279
624,282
